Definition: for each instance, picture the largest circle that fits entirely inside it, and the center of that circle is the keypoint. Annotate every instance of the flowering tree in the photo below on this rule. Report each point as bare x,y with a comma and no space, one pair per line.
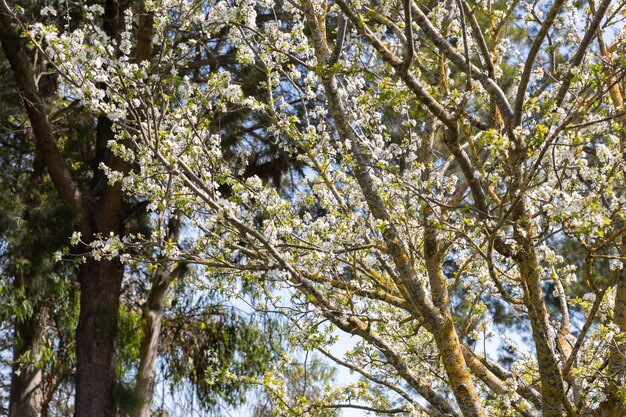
461,158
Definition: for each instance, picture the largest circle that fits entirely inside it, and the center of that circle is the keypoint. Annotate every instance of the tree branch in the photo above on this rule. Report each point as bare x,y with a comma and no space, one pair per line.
42,129
582,49
530,60
472,71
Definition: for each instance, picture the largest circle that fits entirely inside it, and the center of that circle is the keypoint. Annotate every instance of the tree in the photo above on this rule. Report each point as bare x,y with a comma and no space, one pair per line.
34,228
33,225
100,209
70,145
446,156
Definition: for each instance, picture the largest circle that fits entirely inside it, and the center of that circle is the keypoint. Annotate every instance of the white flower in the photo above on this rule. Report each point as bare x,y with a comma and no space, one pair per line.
615,265
75,238
96,9
48,10
590,297
125,46
327,246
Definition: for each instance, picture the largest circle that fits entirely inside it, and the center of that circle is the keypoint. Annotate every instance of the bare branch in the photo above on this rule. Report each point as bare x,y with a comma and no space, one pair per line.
530,59
341,35
408,31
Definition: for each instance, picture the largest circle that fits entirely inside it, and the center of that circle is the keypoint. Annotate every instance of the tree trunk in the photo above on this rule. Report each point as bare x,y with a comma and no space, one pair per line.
25,396
552,387
153,312
100,290
100,284
457,370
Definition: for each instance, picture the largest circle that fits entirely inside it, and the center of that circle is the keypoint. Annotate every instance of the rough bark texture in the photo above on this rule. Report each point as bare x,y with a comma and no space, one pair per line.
95,338
552,387
100,285
551,380
25,396
445,333
457,370
153,318
496,383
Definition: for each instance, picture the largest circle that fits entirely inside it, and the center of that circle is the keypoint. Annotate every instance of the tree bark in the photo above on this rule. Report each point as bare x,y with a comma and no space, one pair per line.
100,284
436,319
152,319
153,313
25,396
552,386
614,405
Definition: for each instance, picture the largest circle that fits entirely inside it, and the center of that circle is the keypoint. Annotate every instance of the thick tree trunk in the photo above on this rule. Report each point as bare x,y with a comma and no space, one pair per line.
100,284
144,387
456,369
100,290
445,333
25,396
552,386
552,390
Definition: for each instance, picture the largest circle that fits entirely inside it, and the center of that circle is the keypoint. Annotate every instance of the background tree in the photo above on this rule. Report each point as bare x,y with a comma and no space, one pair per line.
496,174
34,226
